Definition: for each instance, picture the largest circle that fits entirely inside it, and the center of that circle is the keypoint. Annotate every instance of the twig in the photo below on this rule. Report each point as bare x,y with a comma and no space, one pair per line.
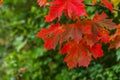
101,6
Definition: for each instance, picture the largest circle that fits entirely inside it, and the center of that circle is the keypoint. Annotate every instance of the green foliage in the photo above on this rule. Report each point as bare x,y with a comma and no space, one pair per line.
22,56
118,54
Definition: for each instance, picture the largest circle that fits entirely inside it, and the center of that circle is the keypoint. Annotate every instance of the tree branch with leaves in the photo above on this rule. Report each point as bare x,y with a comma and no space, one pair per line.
81,40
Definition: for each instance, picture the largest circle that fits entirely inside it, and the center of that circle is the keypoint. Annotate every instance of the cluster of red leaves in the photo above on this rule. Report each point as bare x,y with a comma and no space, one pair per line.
69,7
44,2
80,41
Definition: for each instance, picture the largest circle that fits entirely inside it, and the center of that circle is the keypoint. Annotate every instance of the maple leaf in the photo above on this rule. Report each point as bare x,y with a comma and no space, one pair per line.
79,54
51,36
75,31
101,21
76,55
107,4
68,7
42,2
98,33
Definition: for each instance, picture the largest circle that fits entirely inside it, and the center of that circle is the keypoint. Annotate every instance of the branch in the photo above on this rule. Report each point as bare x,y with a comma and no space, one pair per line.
101,6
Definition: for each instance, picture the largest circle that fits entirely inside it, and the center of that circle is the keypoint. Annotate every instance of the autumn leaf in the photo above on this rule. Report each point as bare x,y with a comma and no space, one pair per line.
76,55
107,4
68,7
100,28
102,21
50,36
79,54
75,31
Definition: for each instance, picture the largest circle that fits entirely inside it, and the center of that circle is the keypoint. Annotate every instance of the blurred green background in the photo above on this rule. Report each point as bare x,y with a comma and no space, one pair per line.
23,57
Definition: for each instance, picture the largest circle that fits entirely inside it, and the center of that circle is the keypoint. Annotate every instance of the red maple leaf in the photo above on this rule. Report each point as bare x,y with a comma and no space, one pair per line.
79,54
107,4
51,36
101,25
65,6
75,31
76,55
102,21
42,2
